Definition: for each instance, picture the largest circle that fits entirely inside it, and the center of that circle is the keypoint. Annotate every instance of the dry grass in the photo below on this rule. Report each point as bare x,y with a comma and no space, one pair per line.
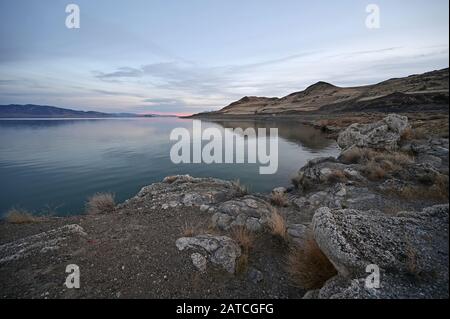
101,203
20,216
188,230
279,199
242,189
358,155
377,164
337,176
438,192
277,224
411,261
242,263
419,133
308,265
244,237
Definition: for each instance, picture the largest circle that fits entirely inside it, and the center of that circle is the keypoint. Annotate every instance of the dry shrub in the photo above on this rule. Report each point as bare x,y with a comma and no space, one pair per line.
418,133
337,176
188,230
412,261
101,203
438,191
277,224
352,156
357,155
244,237
279,199
308,265
374,171
242,189
242,263
20,216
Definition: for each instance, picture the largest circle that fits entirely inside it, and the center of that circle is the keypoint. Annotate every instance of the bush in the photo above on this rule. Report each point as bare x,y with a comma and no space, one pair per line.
277,224
279,199
308,265
20,216
101,203
242,189
243,237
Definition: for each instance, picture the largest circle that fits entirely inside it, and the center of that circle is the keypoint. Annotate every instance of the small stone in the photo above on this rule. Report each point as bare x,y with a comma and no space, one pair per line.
204,208
199,261
255,275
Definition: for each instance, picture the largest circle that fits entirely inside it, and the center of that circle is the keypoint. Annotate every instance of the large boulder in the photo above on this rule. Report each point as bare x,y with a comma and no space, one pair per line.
353,239
408,245
384,134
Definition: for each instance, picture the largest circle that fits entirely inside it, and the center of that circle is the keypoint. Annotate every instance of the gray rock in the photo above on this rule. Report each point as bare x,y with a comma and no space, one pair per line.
221,221
255,275
199,261
40,243
220,250
248,211
384,134
352,239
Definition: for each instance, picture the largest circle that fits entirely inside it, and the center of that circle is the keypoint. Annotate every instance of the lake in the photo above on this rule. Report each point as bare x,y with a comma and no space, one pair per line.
53,165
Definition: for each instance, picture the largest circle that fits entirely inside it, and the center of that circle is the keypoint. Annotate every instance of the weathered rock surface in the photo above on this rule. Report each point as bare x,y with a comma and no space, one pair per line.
220,250
183,191
411,244
384,134
39,243
248,211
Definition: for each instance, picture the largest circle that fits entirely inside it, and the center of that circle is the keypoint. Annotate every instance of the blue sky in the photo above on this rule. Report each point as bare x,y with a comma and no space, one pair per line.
179,56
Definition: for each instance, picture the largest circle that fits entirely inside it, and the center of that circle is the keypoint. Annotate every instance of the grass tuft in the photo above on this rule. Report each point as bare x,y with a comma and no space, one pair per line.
277,224
308,265
20,216
101,203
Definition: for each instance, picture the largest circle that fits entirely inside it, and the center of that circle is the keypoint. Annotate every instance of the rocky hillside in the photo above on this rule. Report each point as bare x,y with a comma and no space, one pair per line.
428,91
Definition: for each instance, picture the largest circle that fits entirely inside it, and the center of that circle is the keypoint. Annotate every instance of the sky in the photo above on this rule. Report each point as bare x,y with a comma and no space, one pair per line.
188,56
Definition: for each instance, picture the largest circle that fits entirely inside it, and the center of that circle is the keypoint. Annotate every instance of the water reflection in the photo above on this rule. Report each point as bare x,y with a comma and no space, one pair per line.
62,162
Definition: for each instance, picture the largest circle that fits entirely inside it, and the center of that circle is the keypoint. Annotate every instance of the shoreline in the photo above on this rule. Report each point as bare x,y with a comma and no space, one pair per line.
154,245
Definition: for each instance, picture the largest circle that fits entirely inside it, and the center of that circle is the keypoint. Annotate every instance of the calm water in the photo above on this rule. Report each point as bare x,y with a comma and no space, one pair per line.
56,164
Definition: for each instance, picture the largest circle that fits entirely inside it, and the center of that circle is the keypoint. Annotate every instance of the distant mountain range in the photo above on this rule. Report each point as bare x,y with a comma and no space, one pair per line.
428,91
44,111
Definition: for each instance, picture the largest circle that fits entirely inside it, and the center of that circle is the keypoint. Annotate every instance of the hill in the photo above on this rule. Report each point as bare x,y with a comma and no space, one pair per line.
428,91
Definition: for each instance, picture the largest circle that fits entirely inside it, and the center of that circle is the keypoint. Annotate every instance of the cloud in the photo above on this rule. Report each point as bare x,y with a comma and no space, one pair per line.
123,72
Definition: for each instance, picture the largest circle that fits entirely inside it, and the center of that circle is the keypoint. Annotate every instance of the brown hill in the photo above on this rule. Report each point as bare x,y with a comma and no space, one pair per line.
428,91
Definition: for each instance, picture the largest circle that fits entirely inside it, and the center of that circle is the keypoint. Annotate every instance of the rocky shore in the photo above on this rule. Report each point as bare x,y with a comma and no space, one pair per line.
383,202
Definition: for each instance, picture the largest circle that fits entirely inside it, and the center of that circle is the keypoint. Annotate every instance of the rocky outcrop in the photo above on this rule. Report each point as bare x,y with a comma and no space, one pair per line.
384,134
183,191
219,250
409,245
39,243
249,211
